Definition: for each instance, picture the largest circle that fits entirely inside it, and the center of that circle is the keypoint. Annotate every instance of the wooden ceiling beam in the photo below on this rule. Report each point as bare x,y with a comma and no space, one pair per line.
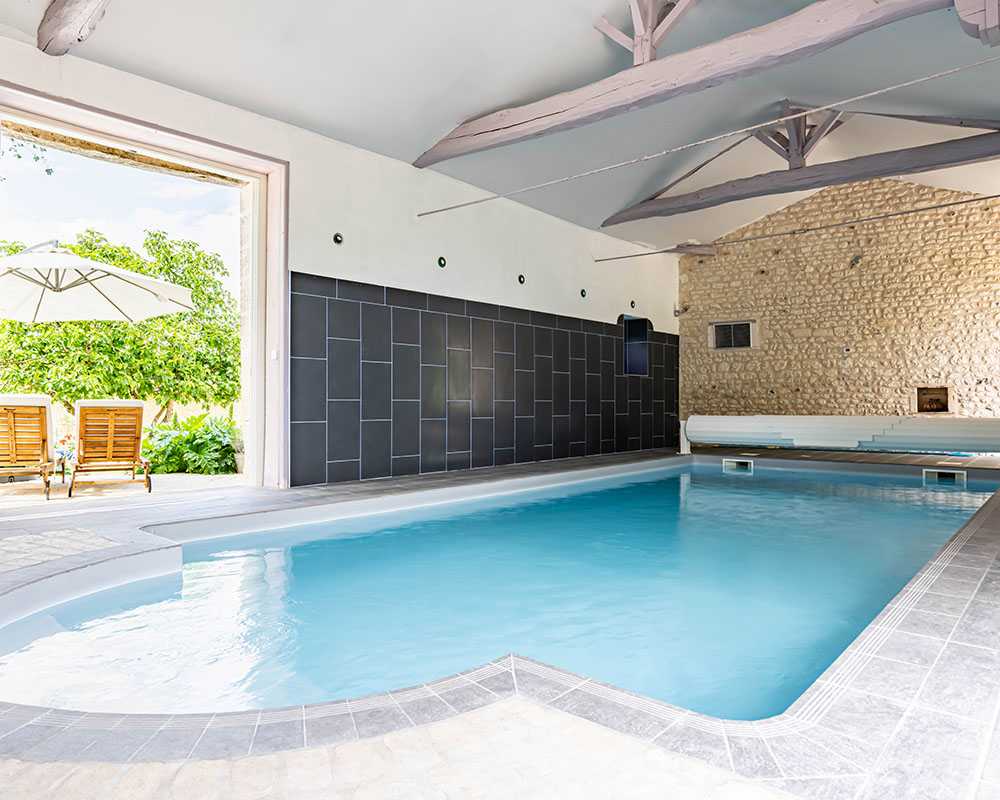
67,23
613,33
640,16
796,135
802,138
644,21
980,19
772,143
958,122
930,119
834,119
781,139
910,161
812,30
114,155
674,15
650,25
697,168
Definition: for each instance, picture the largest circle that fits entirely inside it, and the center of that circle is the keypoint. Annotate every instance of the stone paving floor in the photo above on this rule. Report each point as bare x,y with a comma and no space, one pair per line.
28,549
28,494
512,749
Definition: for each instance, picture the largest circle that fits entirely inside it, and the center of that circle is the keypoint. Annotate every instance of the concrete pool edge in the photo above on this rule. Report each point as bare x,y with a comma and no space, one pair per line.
61,580
834,734
236,525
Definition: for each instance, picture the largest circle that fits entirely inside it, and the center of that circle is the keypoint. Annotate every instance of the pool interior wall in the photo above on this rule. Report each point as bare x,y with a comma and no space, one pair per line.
725,594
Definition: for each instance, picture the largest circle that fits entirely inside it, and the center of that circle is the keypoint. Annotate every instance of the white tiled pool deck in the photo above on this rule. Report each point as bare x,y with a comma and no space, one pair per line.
908,711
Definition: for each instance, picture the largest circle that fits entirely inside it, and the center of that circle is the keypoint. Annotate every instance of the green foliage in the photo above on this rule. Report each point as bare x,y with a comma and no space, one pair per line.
184,358
200,444
20,149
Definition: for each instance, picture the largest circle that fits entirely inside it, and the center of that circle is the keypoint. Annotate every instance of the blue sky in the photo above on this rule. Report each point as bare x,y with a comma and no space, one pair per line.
120,202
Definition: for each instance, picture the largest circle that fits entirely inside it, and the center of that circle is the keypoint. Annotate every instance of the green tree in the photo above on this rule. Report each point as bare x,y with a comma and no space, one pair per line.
179,358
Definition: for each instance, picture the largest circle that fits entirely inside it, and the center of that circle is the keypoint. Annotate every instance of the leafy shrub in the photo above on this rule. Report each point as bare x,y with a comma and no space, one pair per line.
199,444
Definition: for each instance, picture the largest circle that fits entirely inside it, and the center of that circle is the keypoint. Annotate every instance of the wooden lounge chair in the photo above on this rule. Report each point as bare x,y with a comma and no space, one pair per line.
26,443
108,439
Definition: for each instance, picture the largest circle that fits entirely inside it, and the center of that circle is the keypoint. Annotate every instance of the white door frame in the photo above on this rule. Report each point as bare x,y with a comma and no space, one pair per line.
267,462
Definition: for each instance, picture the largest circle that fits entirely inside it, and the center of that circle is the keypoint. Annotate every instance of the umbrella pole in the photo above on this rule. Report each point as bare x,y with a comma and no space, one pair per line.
52,243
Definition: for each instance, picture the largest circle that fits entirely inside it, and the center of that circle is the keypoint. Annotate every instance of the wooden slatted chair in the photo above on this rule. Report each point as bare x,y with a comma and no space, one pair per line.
108,439
26,443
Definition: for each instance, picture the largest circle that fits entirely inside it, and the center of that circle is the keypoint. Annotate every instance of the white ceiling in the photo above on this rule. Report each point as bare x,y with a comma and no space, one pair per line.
395,77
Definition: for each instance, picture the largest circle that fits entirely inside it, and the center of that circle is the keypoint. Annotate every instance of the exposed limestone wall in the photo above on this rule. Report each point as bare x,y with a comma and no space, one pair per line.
915,298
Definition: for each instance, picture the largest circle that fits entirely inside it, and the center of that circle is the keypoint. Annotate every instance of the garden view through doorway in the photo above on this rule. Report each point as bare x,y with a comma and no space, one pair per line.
167,221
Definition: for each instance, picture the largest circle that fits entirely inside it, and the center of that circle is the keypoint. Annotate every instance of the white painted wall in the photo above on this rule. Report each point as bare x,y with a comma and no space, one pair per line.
373,201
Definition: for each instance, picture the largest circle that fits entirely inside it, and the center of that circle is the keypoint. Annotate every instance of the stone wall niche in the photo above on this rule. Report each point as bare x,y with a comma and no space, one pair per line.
932,399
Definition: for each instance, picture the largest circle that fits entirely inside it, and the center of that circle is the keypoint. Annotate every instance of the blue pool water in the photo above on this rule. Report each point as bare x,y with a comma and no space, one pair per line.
726,594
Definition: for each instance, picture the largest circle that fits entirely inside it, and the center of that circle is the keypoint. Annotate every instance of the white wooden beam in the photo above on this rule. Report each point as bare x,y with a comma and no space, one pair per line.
67,23
670,21
644,14
980,19
812,30
990,33
796,135
911,161
781,139
638,16
613,33
644,20
802,138
958,122
834,119
697,168
765,138
643,43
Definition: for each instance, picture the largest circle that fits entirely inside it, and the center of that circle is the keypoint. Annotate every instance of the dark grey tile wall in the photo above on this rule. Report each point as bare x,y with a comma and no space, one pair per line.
392,382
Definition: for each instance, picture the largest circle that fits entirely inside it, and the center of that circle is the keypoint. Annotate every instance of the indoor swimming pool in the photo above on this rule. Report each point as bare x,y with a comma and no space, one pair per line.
727,594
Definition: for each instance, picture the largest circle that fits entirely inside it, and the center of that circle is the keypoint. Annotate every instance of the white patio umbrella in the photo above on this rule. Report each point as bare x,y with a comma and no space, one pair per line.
46,283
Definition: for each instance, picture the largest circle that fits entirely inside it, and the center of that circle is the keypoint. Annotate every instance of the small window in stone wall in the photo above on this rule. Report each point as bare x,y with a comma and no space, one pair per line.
731,335
636,346
932,398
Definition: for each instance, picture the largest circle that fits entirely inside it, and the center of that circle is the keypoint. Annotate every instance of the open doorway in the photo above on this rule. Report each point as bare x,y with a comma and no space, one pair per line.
202,375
